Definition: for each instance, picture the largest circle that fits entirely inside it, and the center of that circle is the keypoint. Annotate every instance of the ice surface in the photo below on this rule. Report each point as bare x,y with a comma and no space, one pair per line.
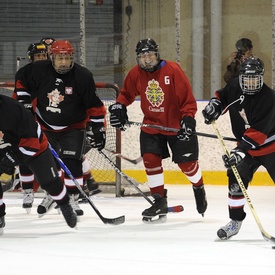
186,244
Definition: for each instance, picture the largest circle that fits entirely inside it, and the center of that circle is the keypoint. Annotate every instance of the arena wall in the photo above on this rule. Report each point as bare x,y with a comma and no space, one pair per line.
211,152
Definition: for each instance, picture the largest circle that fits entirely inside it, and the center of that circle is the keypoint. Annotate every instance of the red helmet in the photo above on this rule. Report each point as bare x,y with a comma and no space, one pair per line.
61,47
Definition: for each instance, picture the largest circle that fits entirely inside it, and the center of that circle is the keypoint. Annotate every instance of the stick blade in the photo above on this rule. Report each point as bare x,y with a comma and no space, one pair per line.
268,238
114,221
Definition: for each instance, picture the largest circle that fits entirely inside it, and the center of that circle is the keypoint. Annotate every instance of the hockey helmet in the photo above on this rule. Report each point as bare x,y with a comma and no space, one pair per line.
251,75
62,50
47,41
36,48
147,48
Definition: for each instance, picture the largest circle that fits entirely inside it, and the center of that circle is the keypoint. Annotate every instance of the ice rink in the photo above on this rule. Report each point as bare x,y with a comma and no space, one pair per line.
185,244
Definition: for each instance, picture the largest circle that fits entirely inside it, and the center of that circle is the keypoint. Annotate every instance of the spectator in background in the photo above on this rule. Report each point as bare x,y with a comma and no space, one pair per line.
244,49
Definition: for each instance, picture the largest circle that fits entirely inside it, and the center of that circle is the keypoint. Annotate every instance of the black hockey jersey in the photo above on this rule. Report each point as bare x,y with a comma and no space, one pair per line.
252,117
18,127
62,101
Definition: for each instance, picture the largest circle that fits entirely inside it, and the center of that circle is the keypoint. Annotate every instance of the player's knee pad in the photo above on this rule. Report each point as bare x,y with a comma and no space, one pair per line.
152,163
43,167
190,167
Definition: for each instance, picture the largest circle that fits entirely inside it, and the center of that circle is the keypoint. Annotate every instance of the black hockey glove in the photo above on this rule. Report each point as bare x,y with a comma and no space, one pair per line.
118,116
8,162
96,134
236,157
188,125
212,110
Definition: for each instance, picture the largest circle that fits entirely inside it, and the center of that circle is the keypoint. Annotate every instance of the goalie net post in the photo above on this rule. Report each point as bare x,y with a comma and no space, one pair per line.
102,171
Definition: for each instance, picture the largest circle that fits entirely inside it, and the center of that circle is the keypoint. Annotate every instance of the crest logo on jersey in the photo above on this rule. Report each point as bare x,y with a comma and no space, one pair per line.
68,90
244,117
58,81
155,96
54,99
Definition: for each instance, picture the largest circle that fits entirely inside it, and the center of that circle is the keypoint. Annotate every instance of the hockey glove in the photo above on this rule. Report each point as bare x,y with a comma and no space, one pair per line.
8,163
212,110
118,116
236,157
96,135
188,125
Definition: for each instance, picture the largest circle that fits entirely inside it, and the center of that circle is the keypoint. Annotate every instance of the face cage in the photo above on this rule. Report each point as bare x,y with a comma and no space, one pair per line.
251,84
62,70
154,66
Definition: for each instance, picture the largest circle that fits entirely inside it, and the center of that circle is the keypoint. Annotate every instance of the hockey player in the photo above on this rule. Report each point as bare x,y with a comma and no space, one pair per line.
89,184
22,141
251,105
2,211
166,99
64,96
35,52
47,41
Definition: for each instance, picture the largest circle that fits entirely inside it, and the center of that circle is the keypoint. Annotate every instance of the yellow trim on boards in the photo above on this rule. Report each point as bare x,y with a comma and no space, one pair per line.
210,177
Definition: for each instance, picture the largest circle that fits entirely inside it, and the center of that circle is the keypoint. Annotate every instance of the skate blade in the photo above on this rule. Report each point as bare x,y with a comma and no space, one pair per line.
54,205
150,220
57,208
28,210
1,231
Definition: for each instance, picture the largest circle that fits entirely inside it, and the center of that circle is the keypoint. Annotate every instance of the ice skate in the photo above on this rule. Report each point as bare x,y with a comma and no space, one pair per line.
45,206
74,204
200,197
90,187
69,214
28,198
2,225
159,208
229,230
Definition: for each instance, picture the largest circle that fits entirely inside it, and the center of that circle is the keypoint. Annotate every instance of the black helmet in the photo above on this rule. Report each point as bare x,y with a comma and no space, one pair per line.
47,41
251,75
244,44
35,48
146,45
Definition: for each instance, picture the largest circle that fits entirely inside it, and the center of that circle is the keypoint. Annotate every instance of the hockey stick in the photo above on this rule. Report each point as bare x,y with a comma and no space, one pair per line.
172,209
265,235
134,161
168,129
114,221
